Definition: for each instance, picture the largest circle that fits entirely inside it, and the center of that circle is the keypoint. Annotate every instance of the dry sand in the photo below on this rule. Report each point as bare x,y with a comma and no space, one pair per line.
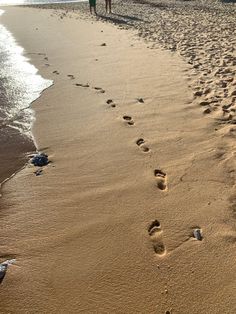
107,227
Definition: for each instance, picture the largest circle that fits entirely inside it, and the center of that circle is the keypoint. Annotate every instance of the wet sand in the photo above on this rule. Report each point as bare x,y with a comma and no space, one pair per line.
13,154
136,167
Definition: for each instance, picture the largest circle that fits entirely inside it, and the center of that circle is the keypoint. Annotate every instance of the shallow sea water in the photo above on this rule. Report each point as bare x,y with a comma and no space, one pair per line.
20,85
30,2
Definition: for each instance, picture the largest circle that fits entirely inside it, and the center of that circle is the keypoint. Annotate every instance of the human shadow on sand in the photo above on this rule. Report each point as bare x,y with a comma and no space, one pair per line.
160,6
119,19
128,17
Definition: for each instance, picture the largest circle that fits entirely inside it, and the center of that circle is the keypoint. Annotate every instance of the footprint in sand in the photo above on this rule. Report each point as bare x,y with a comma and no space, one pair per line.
155,233
82,85
71,76
100,90
111,103
129,120
56,72
141,143
161,179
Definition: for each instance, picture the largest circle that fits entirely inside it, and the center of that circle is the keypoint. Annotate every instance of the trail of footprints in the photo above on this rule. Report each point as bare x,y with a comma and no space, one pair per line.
154,230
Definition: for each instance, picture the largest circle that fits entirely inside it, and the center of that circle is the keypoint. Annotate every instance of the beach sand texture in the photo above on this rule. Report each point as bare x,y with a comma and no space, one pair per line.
136,167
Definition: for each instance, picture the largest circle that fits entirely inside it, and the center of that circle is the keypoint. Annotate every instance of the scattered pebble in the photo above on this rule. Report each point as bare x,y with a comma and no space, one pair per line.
4,266
141,100
197,233
3,269
207,111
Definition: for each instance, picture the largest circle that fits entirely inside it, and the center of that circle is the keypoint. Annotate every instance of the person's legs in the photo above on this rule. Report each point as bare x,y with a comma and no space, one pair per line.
109,5
92,4
106,5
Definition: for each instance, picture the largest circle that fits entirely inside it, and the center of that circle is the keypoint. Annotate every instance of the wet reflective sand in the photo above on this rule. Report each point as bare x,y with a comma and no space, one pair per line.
19,86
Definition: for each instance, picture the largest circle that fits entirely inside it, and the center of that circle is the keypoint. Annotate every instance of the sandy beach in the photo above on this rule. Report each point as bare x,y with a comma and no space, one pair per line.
141,140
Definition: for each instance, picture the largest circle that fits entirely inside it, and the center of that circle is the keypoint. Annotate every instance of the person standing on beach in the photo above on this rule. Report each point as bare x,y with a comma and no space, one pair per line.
108,4
92,4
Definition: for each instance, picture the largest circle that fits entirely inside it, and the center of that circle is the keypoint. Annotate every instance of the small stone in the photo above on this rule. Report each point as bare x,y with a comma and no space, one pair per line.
141,100
197,233
4,266
103,44
3,270
204,103
198,93
206,111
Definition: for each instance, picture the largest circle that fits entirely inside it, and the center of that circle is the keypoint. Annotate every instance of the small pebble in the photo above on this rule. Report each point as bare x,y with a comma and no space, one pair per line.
197,233
141,100
3,270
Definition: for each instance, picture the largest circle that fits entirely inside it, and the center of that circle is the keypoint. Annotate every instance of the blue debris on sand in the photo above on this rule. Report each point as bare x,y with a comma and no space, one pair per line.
40,160
197,233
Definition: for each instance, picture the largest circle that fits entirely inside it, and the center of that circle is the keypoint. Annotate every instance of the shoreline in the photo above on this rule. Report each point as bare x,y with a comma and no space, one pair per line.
115,210
32,152
17,116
